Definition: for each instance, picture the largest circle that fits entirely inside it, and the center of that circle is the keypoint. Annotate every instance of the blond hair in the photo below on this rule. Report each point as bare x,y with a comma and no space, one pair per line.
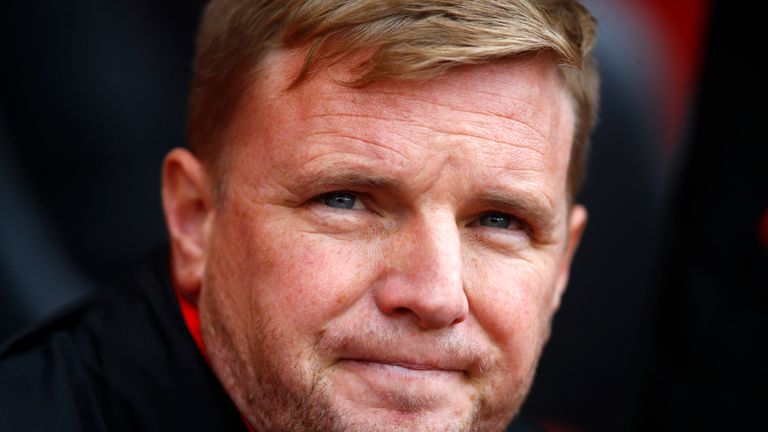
409,39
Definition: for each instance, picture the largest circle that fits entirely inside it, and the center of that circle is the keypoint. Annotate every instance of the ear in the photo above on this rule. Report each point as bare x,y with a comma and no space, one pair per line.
577,221
189,212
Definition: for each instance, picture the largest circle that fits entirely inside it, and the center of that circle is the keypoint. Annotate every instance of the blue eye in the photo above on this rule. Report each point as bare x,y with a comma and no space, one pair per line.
496,220
342,200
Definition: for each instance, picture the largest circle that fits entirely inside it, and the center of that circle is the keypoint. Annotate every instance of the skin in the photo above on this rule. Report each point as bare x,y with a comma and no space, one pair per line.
422,306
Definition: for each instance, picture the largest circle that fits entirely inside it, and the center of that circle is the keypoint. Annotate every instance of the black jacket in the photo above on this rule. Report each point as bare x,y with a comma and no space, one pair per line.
121,360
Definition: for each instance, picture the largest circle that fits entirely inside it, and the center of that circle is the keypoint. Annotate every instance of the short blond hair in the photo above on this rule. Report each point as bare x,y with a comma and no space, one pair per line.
409,39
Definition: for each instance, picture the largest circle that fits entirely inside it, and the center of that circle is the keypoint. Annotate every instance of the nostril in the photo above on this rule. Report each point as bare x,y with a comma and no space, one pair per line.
459,319
401,310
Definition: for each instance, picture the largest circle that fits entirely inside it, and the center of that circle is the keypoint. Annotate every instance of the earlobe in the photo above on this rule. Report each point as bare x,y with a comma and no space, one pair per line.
577,221
188,208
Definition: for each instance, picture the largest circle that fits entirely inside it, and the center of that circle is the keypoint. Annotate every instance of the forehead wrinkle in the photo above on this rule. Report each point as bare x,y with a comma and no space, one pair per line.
326,115
493,140
374,143
393,134
512,100
498,106
416,125
480,117
398,96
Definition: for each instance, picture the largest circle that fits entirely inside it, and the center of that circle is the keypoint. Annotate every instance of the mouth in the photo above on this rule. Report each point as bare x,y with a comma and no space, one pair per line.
413,366
401,369
403,374
402,388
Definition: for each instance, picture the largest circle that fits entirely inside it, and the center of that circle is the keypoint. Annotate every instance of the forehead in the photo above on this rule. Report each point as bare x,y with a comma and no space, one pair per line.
514,118
530,90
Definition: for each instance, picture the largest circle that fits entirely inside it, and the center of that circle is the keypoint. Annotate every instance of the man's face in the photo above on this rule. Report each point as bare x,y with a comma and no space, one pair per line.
389,257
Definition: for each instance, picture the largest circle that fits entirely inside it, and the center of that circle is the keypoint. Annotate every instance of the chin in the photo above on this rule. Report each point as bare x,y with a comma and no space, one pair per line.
334,405
367,399
396,422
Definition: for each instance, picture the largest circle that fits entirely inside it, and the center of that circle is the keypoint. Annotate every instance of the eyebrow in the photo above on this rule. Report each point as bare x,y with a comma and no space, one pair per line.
341,176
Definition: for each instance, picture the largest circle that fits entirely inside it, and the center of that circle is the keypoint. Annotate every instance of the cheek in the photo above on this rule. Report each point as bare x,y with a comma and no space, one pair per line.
310,277
511,301
296,281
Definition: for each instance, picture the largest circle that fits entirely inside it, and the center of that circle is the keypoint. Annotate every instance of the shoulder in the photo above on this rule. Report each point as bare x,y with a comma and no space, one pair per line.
121,359
81,369
46,382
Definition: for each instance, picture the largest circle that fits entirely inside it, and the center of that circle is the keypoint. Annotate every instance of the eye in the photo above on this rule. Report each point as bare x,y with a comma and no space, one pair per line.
341,200
496,220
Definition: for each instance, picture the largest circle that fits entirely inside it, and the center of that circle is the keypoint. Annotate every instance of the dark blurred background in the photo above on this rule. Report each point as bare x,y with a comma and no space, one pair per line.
665,322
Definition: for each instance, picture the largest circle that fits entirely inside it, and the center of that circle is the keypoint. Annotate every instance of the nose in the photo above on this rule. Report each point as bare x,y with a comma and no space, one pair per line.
423,276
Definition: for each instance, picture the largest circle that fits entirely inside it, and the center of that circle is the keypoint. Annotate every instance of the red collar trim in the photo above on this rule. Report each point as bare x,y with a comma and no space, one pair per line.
192,319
